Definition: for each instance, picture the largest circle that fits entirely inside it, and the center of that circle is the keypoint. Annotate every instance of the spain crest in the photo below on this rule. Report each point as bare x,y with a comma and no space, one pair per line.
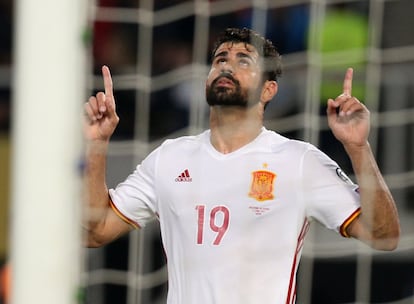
262,185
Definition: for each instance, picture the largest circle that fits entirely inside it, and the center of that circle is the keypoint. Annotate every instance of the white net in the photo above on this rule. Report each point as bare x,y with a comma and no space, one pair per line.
158,52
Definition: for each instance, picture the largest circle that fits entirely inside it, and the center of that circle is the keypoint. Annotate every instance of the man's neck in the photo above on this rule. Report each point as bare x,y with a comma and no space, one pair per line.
233,128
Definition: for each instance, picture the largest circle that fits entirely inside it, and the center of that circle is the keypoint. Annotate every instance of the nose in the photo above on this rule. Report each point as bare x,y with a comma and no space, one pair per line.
227,69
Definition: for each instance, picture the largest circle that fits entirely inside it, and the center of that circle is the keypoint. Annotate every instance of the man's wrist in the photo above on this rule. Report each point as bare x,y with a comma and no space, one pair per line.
353,148
97,146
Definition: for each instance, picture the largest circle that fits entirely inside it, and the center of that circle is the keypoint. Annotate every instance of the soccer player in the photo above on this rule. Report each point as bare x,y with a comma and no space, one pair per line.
234,202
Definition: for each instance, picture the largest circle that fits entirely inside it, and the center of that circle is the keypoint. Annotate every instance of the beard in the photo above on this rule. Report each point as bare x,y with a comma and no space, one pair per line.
236,96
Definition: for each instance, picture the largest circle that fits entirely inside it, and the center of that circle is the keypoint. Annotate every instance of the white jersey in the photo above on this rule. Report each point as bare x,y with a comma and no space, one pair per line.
233,225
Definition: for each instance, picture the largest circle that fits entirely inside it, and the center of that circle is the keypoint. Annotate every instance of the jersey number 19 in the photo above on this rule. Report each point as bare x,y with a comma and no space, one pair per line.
219,214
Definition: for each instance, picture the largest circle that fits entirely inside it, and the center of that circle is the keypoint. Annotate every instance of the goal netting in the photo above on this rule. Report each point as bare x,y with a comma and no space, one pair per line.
158,52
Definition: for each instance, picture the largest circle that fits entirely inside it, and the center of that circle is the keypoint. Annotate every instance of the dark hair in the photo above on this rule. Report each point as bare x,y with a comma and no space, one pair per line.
272,64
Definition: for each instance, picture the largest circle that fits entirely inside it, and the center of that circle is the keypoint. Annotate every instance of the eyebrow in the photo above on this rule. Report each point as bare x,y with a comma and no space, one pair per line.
239,55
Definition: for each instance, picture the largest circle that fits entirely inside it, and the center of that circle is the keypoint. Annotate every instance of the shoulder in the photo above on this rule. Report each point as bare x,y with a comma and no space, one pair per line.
181,145
182,141
171,151
278,142
293,149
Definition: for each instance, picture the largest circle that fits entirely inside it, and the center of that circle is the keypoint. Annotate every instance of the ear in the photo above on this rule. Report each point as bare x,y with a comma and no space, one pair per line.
269,91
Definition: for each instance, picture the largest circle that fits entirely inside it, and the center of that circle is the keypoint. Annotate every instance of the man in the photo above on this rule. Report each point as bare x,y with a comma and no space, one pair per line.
234,202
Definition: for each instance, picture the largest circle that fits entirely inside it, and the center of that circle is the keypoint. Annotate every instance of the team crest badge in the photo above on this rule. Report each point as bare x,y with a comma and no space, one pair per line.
262,185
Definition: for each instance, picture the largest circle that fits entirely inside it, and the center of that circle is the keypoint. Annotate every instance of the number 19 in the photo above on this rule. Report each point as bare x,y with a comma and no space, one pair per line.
214,217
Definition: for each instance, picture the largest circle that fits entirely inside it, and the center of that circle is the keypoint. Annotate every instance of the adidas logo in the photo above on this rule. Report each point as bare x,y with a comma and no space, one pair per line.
184,177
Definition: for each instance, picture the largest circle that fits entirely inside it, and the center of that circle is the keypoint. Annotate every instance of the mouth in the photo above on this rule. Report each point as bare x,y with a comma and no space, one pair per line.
224,82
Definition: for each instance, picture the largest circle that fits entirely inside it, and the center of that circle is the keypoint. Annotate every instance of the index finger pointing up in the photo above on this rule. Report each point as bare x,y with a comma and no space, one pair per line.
107,81
348,82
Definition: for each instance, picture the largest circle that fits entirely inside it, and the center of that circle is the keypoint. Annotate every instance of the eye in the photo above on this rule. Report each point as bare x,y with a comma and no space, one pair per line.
221,60
244,62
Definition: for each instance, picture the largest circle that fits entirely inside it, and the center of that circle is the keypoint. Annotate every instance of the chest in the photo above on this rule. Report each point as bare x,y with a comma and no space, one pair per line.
253,190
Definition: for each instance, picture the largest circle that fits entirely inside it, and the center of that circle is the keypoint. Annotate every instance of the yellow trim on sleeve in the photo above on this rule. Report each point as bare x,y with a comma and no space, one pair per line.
348,221
123,217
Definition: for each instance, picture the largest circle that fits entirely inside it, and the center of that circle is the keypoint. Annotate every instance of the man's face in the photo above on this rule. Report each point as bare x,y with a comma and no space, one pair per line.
235,76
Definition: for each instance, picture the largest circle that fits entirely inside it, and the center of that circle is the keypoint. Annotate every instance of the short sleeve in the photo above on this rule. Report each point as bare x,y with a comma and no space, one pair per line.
134,199
330,196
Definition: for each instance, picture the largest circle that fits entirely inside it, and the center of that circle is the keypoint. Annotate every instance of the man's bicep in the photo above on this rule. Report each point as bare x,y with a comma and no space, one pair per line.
115,226
111,228
357,230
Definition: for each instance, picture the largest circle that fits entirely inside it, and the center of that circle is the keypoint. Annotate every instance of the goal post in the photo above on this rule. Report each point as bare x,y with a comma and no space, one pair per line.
49,88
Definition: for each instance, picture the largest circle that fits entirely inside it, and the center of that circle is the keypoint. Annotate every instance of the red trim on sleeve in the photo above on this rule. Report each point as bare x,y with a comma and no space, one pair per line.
347,222
123,217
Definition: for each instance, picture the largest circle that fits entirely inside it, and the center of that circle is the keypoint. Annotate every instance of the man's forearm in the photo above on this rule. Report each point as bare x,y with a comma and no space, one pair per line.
96,191
378,210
